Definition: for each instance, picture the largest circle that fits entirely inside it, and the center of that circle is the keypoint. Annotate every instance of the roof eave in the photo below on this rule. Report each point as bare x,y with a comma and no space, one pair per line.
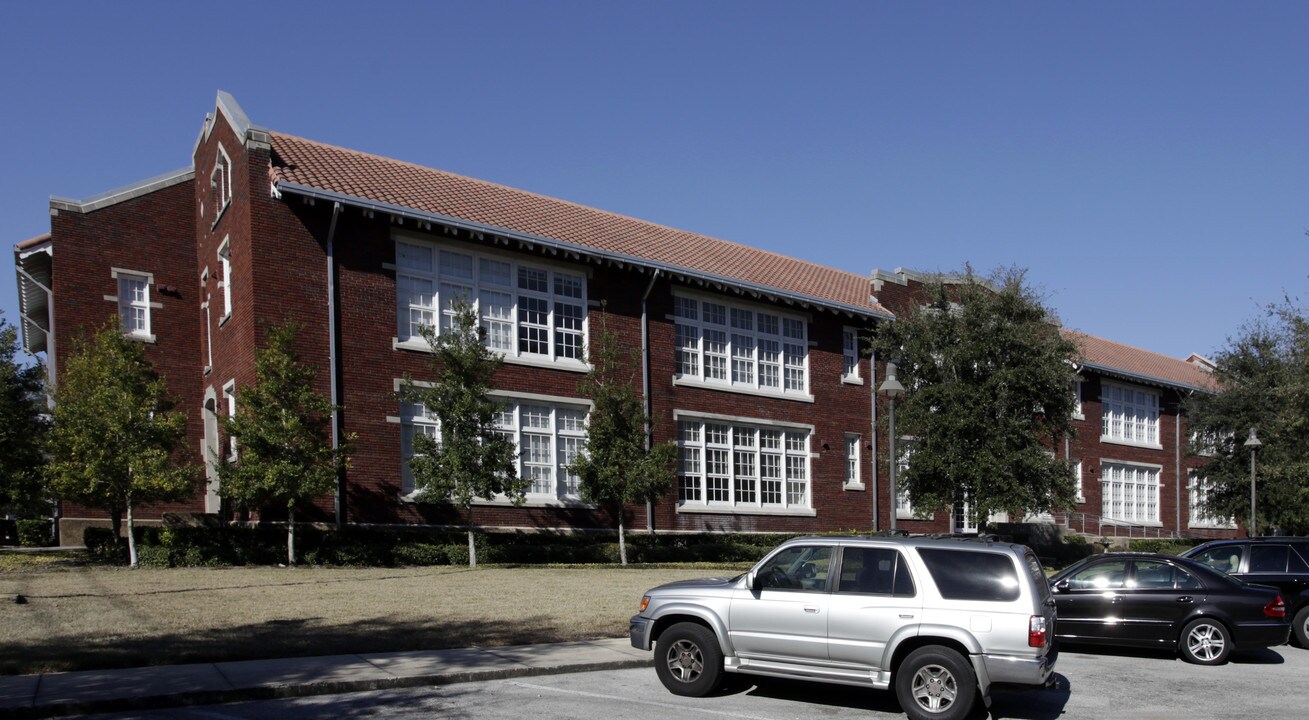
1149,379
745,286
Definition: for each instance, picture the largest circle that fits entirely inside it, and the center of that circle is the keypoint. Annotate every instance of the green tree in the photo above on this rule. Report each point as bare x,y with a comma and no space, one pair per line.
115,432
23,425
988,380
1263,378
282,431
470,459
615,468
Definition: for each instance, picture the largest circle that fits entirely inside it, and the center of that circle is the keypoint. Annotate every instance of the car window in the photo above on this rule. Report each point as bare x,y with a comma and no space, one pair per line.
1104,575
968,575
1156,575
1295,561
878,571
1268,558
799,567
1225,558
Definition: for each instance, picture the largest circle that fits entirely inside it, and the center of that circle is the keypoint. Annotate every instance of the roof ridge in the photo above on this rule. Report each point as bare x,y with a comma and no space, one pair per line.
572,203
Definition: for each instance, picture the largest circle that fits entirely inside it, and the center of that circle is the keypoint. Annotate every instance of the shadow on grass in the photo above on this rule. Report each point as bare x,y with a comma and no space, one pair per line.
276,639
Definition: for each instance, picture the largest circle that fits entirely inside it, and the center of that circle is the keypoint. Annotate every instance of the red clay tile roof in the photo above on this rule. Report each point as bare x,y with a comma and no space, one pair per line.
349,172
1135,361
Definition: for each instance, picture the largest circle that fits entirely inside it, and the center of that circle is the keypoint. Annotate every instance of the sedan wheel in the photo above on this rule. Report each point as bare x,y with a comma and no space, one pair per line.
1205,642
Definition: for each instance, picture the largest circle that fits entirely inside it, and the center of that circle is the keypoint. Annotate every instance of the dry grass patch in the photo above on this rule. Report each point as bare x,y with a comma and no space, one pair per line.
96,617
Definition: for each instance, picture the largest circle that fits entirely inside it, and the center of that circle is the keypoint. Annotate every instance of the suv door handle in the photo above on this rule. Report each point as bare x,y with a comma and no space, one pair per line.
812,609
1185,599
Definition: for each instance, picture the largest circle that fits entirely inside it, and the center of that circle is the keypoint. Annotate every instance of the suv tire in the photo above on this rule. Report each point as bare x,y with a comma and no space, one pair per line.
1300,626
936,683
688,660
1205,642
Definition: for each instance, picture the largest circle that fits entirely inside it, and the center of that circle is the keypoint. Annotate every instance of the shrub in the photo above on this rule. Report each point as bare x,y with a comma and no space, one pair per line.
1167,546
34,533
103,546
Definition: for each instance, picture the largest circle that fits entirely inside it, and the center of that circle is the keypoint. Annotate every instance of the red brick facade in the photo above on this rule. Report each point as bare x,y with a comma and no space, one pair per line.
237,228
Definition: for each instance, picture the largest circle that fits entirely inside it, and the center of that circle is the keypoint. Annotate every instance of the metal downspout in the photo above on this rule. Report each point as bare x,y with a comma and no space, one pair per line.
645,385
338,504
872,380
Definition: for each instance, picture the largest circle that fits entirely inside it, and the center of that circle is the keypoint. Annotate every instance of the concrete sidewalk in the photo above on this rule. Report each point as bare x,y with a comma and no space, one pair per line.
54,694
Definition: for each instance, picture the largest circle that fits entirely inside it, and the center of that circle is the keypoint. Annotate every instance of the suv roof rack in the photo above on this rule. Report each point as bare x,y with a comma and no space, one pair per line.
971,537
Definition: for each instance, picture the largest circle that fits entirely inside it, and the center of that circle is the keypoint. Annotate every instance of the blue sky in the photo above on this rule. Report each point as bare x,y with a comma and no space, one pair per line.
1146,162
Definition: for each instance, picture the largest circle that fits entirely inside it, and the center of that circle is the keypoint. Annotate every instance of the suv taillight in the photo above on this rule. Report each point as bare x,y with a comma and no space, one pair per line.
1036,630
1276,608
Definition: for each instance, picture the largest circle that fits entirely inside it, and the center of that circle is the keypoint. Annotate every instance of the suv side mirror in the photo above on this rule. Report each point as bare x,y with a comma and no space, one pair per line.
1062,586
754,582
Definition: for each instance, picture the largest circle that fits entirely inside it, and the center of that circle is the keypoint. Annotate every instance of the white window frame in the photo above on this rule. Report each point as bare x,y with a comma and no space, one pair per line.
1197,488
764,466
854,461
1130,492
124,280
563,327
738,347
1077,481
225,277
1078,413
566,435
1129,415
221,181
209,321
850,356
229,396
904,509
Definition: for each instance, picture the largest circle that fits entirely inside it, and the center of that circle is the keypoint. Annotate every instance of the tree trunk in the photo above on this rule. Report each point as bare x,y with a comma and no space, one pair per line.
290,535
131,537
622,539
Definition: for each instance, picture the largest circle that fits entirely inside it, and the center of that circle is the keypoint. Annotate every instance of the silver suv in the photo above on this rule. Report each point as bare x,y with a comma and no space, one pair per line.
942,619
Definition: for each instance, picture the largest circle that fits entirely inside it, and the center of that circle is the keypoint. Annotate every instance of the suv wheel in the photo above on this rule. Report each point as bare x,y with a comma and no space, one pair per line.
688,660
1205,642
1301,627
935,683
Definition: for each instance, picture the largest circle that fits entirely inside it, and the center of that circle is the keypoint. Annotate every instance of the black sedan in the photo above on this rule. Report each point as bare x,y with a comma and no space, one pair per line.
1160,601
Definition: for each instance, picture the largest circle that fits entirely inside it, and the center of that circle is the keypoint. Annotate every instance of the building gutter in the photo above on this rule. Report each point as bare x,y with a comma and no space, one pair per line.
334,365
559,245
645,385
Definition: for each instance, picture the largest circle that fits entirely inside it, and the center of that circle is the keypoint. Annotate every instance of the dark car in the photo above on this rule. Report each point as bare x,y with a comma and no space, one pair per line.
1159,601
1282,562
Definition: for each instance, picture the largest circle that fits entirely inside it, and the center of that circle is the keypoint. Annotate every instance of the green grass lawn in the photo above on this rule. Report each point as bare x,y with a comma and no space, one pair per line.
79,616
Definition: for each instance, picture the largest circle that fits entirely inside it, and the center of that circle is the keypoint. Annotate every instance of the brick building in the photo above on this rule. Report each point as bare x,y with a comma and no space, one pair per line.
1134,473
748,359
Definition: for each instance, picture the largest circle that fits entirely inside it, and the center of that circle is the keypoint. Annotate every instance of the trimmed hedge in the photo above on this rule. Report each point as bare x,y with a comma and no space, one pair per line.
389,547
34,533
1167,546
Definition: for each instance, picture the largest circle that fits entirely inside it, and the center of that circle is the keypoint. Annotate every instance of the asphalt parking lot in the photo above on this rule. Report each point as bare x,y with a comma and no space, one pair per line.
1092,684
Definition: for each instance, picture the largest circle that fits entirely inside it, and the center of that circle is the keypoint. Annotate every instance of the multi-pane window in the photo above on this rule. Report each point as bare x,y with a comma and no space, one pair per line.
134,304
1077,399
548,438
1129,414
526,310
1129,492
1200,490
850,350
1077,481
737,346
225,275
905,450
742,466
852,459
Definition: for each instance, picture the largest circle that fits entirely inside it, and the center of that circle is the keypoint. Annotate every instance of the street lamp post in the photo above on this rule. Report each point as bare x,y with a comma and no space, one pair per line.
1253,444
891,389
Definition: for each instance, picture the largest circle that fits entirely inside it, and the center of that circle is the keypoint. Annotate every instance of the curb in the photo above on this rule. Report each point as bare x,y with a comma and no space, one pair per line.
273,692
